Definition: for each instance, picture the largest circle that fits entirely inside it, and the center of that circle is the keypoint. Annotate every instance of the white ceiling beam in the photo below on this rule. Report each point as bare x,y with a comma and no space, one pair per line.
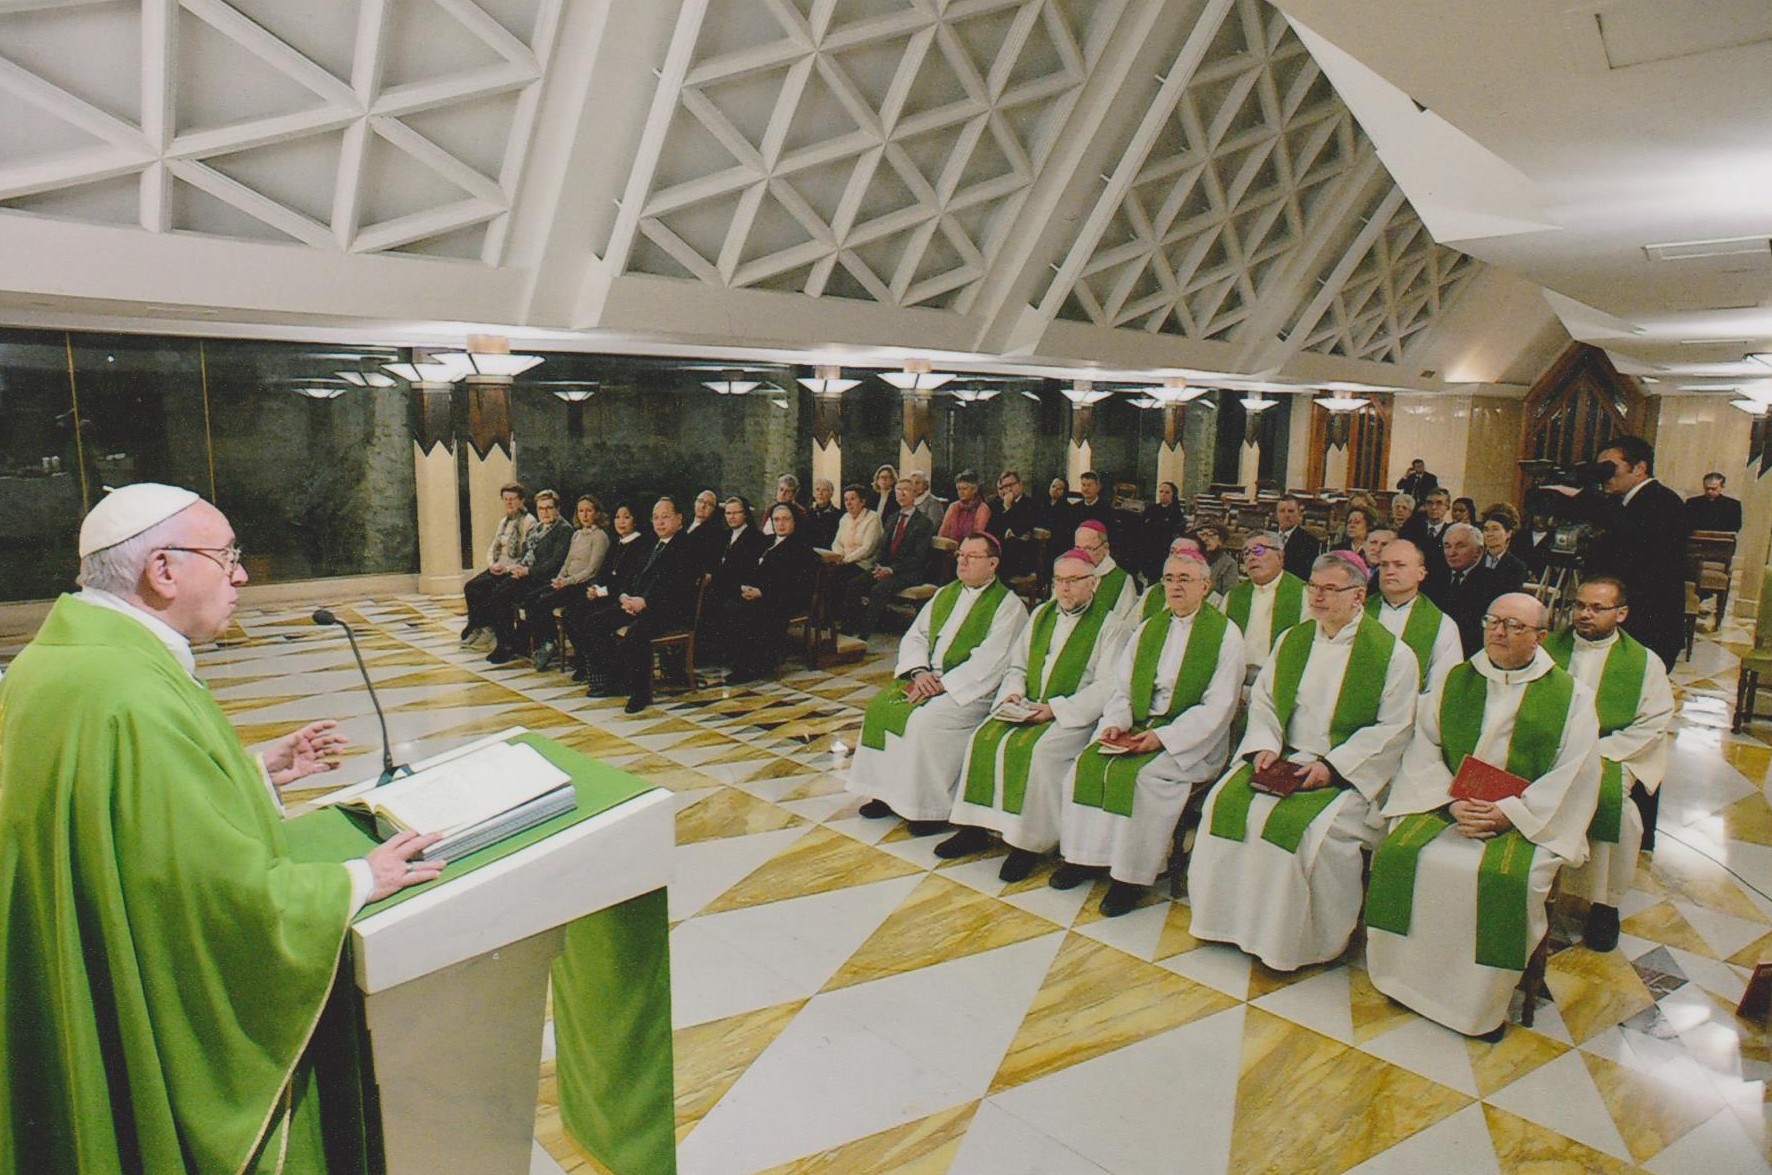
494,35
1261,358
156,198
254,204
48,96
272,50
159,45
485,82
432,222
258,132
439,160
522,134
67,169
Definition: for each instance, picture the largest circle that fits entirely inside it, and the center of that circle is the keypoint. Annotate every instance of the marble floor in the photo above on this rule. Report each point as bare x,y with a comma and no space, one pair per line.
845,1003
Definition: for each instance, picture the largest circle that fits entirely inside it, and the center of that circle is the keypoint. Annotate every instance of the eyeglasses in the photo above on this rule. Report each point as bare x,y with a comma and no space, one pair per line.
1323,589
1183,579
966,556
1509,625
1257,549
1598,607
1071,579
229,556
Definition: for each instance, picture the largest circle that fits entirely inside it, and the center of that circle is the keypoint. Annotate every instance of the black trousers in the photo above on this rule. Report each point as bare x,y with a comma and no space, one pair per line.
867,599
628,656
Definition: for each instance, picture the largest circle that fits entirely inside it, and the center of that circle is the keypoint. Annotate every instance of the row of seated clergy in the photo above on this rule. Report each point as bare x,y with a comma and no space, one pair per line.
1281,878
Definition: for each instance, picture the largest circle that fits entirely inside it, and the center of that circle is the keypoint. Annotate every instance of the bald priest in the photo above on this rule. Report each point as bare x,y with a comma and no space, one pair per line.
163,960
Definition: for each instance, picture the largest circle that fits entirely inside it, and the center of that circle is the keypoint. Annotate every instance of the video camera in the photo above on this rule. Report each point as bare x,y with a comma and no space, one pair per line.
1549,510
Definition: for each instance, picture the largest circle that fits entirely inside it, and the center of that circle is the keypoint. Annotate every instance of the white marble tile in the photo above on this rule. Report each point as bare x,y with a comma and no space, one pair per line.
1056,905
1718,1145
1220,967
980,875
918,850
999,1143
818,809
1136,933
860,828
712,979
1134,1110
1726,982
1457,1143
702,872
1320,1003
1560,1095
1436,1053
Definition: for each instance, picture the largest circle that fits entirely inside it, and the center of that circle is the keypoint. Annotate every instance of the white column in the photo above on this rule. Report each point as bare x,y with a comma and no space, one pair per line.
438,486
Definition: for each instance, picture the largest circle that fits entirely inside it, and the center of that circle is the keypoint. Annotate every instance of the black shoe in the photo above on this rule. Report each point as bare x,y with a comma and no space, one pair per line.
927,827
1601,931
964,843
1122,897
1017,865
581,675
1494,1035
637,703
1069,876
544,656
877,810
500,656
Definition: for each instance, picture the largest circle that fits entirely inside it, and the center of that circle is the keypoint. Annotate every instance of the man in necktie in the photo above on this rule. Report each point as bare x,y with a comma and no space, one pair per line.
903,564
661,598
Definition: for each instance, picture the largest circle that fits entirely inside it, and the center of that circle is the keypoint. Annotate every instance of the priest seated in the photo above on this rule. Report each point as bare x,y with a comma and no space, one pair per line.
1017,768
1635,706
1166,727
1456,902
1117,584
1154,602
1401,607
1267,603
1275,871
950,663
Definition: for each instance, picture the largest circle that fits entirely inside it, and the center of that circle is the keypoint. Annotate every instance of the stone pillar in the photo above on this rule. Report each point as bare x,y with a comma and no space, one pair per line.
1171,451
827,439
1079,452
914,448
1336,430
491,457
1249,461
439,502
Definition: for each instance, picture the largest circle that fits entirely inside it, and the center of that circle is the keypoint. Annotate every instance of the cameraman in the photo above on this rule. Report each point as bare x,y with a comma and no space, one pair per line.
1644,543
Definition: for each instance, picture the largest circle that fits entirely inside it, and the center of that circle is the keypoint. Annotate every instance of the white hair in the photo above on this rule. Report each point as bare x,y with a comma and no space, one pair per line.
826,483
1267,538
1461,528
118,568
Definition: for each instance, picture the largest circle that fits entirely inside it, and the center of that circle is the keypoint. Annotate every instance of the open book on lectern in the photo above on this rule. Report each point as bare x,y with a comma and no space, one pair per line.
474,800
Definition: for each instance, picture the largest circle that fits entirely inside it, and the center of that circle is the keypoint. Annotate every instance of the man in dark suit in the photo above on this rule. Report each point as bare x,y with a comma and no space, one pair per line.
1463,588
1012,521
1534,543
704,532
737,555
661,598
1712,510
1427,530
1302,547
1418,482
903,561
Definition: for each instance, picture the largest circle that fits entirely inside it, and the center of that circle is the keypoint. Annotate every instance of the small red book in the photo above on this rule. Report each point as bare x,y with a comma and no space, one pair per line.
1281,778
1477,780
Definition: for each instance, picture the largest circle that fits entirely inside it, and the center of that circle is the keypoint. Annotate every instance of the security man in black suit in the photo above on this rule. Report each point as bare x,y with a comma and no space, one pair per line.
1418,482
1302,547
660,599
1713,509
704,534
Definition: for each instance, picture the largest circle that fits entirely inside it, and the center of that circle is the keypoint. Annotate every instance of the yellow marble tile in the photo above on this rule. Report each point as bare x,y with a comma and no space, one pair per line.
597,742
940,920
1526,1148
1306,1103
819,862
1685,875
232,706
823,784
1091,911
1517,1053
535,716
1663,923
709,1057
780,769
437,674
924,1147
669,725
1651,1114
1594,991
740,753
1374,1013
730,812
1755,952
1096,999
1751,759
1749,818
479,693
1177,937
1264,981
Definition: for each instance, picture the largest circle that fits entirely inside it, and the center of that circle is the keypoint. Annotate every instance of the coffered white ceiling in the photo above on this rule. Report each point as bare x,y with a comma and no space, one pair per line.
1369,194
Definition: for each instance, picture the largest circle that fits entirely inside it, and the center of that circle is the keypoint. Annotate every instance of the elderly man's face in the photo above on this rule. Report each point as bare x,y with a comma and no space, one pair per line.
920,481
1073,582
1334,597
704,505
1374,545
906,493
1400,571
1462,550
1288,515
975,563
821,493
736,517
1091,540
206,581
1400,511
1511,632
1597,611
1185,584
667,520
1263,561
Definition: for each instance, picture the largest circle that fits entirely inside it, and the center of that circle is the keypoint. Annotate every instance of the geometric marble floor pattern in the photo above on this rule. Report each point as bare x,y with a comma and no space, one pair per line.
845,1002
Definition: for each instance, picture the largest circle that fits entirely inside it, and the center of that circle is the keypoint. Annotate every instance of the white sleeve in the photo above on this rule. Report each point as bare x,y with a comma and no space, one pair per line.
362,883
1085,706
913,650
979,675
1015,678
1448,651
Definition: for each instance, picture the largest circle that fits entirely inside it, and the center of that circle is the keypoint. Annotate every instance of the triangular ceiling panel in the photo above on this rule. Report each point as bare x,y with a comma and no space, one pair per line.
222,83
395,184
477,132
463,244
425,43
326,34
520,18
111,201
43,134
93,51
299,174
194,210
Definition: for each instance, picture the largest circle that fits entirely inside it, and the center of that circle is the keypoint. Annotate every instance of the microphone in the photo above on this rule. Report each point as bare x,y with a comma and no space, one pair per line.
389,771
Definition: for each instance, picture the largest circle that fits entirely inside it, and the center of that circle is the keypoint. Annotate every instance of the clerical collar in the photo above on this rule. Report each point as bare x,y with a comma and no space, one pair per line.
1532,670
629,537
1078,611
1582,642
175,641
736,531
1106,565
973,590
1385,603
695,522
1268,588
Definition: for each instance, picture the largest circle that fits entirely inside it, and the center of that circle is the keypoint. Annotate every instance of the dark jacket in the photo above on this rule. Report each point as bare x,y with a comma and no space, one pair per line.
547,553
624,562
785,573
1510,571
1704,513
667,580
1467,601
1433,546
911,560
734,560
704,541
1302,549
821,524
1418,485
1535,555
1644,544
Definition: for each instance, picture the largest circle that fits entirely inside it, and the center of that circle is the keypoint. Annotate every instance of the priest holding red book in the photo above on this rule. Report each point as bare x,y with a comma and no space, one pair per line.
1456,902
1277,863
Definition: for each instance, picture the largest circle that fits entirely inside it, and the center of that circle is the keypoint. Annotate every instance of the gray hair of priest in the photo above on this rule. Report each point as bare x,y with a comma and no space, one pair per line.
118,568
1339,561
1267,538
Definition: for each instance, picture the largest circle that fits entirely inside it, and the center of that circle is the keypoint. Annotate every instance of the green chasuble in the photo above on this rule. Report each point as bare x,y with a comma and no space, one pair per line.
1356,707
1505,873
1288,605
1018,739
890,710
1419,630
1108,781
165,960
1621,688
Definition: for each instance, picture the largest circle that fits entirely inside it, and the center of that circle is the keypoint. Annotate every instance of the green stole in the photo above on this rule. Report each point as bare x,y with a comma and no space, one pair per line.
1419,631
1155,603
1504,876
1112,584
1356,707
890,711
1288,605
1621,688
1106,781
1016,738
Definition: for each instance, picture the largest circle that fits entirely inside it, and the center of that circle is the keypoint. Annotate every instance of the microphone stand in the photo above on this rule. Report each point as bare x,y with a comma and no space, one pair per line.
390,771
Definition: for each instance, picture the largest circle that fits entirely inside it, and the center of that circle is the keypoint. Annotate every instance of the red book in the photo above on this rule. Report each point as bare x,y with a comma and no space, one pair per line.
1477,780
1281,778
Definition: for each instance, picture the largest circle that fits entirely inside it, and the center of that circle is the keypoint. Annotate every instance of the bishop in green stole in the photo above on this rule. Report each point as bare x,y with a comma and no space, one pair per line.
1456,899
1281,878
950,662
1635,706
1175,691
1016,775
1266,604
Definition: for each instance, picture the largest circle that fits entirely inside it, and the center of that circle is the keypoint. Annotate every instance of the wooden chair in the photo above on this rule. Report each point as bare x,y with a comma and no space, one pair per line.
683,638
1710,559
816,622
1759,661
